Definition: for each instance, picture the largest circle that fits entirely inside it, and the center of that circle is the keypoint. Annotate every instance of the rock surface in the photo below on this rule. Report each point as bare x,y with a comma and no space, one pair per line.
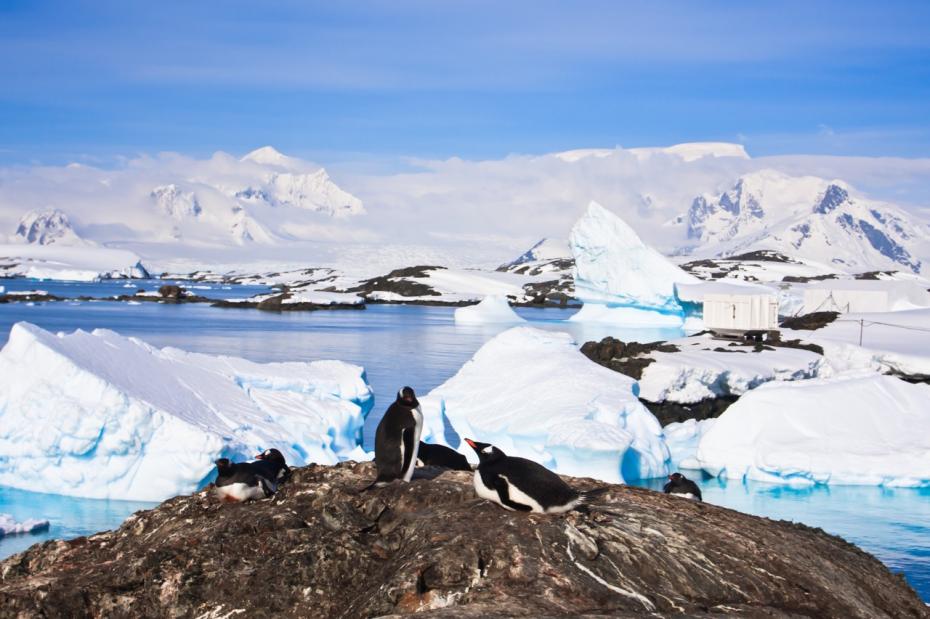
321,548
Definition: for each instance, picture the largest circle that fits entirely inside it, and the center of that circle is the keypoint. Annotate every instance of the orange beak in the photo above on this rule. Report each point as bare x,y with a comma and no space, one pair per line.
471,443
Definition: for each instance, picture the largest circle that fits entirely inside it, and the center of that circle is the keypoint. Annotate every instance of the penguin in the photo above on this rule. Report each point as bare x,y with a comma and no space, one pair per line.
522,485
441,456
679,485
250,481
397,439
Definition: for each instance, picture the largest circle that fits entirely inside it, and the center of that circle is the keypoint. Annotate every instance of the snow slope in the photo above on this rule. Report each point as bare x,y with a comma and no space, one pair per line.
614,269
808,217
103,416
891,341
707,368
861,428
555,407
491,309
69,263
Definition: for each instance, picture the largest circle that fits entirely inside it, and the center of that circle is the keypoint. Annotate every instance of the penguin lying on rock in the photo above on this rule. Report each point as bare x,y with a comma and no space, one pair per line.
523,485
441,456
679,485
250,481
397,439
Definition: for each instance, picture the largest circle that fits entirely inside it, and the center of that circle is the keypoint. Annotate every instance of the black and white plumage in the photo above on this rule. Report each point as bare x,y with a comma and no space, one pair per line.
397,438
679,485
441,456
250,481
519,484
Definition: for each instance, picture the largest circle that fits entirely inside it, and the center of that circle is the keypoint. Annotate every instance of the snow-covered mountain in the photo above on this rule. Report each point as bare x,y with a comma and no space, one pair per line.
264,197
544,251
46,227
807,217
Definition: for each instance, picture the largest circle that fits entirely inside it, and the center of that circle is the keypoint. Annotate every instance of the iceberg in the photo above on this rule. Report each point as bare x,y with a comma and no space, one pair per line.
856,429
623,279
683,438
533,394
491,309
100,415
9,526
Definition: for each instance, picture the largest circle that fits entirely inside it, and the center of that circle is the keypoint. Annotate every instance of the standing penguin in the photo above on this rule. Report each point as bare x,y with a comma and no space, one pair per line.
397,438
679,485
250,481
523,485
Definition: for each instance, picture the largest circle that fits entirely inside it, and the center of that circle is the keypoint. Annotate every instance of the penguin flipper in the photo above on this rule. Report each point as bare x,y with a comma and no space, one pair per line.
503,493
411,447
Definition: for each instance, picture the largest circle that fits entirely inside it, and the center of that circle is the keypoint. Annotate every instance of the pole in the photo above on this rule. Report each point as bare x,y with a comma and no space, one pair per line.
860,331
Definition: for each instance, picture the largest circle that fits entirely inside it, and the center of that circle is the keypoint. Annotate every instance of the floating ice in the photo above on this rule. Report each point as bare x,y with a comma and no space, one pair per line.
104,416
615,270
862,428
533,394
493,308
8,526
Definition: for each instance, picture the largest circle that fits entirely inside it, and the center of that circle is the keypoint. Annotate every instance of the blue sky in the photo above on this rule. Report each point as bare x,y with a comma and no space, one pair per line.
335,81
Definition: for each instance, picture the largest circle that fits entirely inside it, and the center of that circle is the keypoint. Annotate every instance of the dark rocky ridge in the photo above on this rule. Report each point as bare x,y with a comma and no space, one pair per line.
624,357
322,549
809,322
631,358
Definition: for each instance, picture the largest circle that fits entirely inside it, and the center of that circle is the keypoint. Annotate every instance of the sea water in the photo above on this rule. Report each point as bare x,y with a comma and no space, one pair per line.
422,347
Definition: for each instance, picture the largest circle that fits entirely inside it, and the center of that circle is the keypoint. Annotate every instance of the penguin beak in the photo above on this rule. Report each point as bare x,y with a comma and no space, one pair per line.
260,456
471,443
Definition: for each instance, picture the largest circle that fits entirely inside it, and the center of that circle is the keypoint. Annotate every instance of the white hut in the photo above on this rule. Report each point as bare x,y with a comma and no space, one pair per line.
739,313
732,307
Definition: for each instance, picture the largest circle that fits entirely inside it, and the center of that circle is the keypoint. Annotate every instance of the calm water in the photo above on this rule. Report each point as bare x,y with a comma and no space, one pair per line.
423,347
117,287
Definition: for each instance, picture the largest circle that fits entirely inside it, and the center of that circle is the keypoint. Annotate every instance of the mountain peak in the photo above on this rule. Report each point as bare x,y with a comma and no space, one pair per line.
269,155
46,227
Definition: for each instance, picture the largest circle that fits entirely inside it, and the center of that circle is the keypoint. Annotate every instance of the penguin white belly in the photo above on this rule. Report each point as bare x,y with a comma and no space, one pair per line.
240,492
417,431
518,496
685,495
489,494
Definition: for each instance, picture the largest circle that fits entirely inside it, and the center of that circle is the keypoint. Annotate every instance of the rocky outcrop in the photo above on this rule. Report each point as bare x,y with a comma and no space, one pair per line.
399,282
624,357
809,322
321,548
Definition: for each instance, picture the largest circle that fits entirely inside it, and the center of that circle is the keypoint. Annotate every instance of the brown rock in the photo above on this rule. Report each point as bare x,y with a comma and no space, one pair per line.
321,548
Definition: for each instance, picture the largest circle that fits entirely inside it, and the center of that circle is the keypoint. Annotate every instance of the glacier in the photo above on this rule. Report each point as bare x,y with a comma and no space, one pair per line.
99,415
860,428
622,279
533,394
491,309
